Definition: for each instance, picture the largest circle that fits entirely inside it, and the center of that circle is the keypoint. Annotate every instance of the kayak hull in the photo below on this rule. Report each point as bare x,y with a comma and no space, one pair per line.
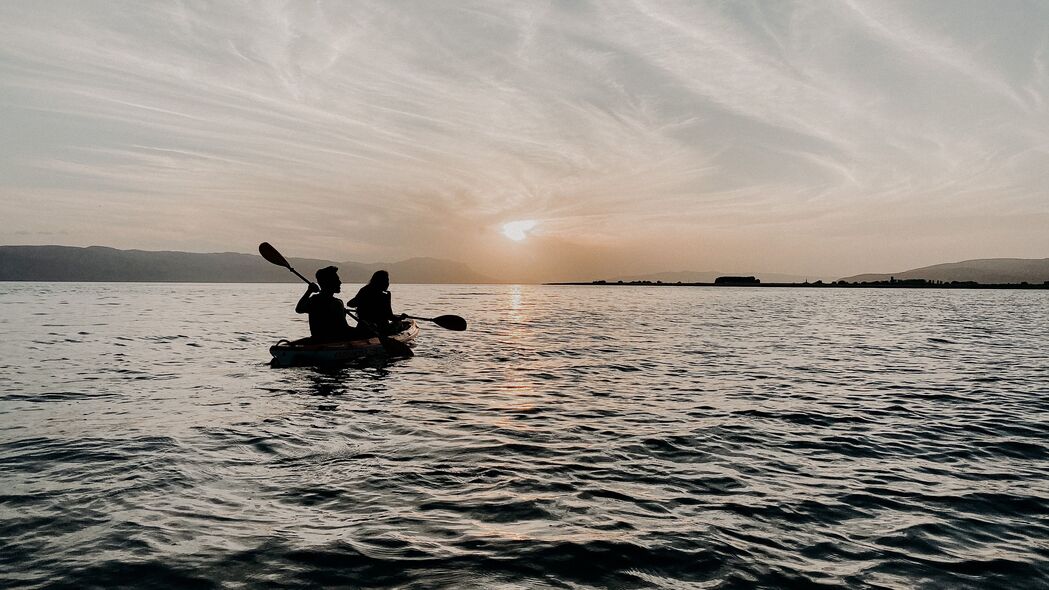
305,352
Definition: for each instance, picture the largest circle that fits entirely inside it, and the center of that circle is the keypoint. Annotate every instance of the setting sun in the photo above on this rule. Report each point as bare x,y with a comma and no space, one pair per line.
518,230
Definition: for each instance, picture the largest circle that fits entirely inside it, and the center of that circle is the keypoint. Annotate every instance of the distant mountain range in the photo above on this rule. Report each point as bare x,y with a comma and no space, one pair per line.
985,271
101,264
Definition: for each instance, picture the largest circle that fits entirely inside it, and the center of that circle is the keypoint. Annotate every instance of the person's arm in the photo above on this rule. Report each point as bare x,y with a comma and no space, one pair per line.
389,308
303,306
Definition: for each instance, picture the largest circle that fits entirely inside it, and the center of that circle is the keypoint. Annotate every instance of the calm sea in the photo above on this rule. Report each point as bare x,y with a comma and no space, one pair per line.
574,437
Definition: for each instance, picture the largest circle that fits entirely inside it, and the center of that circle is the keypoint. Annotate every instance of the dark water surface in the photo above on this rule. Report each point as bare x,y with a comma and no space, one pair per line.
575,437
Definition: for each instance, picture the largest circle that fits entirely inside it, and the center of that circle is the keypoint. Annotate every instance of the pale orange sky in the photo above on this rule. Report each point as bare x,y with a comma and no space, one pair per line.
814,138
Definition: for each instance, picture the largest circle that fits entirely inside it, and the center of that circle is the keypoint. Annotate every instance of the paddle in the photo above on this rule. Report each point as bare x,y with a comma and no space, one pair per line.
448,322
392,347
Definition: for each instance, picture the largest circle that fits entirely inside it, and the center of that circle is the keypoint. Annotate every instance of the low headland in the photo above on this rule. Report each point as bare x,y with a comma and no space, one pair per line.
890,284
984,273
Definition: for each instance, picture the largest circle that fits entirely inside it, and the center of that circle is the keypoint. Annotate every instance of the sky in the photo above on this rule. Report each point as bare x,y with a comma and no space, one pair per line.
823,138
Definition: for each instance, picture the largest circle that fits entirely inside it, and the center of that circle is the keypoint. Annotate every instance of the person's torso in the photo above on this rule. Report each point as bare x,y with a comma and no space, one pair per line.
327,317
373,305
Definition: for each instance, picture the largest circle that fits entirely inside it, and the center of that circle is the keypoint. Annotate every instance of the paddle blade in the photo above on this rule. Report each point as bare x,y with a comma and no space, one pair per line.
450,322
270,254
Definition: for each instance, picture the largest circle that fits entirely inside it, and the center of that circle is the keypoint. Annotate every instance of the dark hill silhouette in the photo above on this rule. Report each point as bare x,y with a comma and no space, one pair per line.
102,264
986,271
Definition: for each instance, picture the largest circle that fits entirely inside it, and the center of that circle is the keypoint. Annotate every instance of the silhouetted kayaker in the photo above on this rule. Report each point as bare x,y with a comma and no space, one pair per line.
327,315
373,304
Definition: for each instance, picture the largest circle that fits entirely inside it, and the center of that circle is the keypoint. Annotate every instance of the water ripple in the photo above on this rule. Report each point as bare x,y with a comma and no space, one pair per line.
573,438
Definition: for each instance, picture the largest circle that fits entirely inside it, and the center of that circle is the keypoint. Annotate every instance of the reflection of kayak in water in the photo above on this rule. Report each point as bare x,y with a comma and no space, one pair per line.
309,352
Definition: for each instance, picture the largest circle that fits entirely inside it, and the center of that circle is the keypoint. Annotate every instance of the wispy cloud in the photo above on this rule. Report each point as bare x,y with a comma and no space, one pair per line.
380,130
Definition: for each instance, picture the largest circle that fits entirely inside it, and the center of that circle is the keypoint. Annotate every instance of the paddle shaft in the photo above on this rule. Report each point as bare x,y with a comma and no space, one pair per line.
304,279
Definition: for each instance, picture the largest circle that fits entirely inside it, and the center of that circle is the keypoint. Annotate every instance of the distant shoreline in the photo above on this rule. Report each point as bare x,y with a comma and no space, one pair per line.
904,284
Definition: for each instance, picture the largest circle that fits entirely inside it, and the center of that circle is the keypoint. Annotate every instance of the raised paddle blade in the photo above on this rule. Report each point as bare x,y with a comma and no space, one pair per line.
270,254
450,322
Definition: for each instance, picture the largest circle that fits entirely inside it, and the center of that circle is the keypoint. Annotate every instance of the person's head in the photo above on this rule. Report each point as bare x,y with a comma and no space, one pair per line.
328,279
380,279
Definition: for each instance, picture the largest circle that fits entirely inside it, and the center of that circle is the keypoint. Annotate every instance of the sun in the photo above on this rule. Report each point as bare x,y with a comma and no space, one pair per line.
518,230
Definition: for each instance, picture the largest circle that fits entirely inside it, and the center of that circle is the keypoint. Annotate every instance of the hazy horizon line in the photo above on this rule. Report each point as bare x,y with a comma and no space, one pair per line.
510,281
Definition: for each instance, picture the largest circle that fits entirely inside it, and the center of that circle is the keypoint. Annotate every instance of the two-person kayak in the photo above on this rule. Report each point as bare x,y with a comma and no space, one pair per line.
308,351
